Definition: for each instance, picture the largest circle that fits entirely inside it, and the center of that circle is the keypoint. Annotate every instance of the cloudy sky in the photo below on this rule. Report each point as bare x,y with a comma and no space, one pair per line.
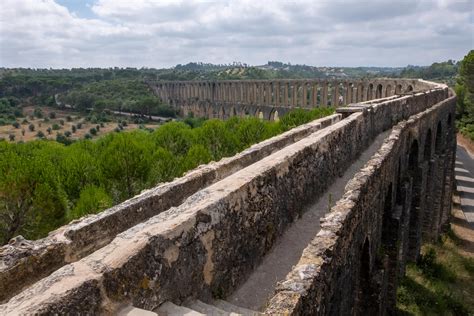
162,33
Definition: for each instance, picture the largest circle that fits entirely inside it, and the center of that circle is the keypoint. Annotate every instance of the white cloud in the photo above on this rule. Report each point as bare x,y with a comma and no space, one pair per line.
42,33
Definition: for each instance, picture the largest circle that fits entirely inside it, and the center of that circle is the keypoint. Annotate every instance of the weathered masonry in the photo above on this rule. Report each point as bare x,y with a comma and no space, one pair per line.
269,99
202,236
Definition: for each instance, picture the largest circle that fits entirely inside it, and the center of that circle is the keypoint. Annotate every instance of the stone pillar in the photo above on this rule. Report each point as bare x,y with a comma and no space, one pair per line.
304,97
253,96
285,94
348,94
249,92
335,94
268,93
276,89
261,92
295,94
324,99
313,94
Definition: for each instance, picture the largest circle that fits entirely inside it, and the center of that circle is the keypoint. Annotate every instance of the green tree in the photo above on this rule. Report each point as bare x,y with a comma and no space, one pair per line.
164,167
175,137
197,155
32,202
125,162
214,135
92,200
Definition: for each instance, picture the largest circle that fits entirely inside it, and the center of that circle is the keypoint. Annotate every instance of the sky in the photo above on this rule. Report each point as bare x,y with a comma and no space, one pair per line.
163,33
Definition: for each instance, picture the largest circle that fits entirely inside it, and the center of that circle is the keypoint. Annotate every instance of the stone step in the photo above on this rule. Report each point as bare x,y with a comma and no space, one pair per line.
231,308
207,309
134,311
170,309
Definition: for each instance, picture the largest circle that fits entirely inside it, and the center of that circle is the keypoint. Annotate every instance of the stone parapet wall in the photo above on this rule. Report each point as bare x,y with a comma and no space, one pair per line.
403,193
206,246
23,262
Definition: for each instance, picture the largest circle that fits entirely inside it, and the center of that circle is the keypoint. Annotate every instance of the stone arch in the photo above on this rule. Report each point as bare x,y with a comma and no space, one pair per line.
398,89
233,112
259,114
427,147
409,88
390,242
439,138
370,91
365,303
341,94
274,116
222,114
388,90
360,92
379,91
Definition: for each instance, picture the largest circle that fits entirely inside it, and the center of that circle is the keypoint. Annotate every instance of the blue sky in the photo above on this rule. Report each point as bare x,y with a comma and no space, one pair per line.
81,8
163,33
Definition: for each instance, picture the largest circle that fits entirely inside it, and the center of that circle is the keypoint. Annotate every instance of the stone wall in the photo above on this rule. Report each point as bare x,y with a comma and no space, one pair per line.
399,199
206,246
23,262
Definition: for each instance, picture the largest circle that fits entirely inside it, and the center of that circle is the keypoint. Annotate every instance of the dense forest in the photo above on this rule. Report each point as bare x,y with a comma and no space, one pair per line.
45,184
442,72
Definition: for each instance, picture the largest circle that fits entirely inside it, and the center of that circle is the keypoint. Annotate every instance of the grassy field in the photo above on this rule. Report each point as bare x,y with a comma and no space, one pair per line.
23,132
442,282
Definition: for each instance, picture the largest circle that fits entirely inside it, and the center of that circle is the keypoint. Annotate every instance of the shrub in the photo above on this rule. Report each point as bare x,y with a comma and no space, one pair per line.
52,115
88,136
49,130
40,134
11,137
25,121
60,138
69,118
67,134
22,132
73,128
31,127
38,113
56,127
79,125
16,125
93,131
61,122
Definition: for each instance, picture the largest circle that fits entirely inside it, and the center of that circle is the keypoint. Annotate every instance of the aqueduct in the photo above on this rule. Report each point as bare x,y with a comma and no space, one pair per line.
269,98
319,220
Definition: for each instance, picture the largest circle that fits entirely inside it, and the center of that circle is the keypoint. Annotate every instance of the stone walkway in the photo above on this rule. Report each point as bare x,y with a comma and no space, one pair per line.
465,182
259,287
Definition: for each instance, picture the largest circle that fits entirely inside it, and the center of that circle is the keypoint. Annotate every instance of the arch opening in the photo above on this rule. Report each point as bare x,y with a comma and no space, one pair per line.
378,92
439,138
427,148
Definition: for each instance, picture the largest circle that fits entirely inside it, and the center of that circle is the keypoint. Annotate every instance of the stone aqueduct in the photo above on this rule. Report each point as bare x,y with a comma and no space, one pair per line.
268,99
202,235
